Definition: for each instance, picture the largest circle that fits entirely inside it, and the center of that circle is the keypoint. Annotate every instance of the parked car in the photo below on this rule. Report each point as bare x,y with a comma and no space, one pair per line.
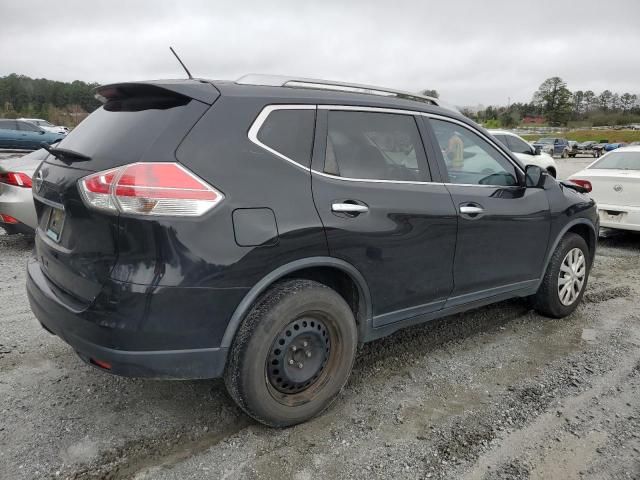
583,148
24,135
598,148
17,211
259,230
612,146
554,146
47,126
614,182
526,153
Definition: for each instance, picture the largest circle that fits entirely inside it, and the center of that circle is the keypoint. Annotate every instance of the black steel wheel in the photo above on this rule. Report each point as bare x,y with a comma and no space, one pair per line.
293,353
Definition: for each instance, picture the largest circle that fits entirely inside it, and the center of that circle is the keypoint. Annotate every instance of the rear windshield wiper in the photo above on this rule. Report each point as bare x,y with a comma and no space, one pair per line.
67,156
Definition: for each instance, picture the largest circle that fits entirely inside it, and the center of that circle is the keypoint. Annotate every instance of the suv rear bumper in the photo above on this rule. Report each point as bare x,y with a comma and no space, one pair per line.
81,333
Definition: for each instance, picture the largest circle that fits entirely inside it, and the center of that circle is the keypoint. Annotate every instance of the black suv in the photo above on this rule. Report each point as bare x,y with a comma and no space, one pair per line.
260,230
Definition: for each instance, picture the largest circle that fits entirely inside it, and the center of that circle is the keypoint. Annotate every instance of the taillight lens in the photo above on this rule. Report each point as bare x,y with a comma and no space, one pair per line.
4,218
17,179
150,189
586,184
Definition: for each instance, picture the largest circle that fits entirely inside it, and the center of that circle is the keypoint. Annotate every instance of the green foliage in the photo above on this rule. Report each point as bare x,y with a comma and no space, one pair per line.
554,99
22,96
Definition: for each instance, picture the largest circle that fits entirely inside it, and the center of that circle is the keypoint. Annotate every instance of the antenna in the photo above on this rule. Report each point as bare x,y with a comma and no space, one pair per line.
181,63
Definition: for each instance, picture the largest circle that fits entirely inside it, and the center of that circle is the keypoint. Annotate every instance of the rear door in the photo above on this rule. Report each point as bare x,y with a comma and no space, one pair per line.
503,228
383,210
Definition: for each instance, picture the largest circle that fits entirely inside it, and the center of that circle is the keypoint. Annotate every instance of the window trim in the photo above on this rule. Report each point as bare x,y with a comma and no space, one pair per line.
252,134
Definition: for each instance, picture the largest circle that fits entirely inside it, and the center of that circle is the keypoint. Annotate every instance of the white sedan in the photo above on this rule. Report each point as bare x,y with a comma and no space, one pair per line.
614,183
525,152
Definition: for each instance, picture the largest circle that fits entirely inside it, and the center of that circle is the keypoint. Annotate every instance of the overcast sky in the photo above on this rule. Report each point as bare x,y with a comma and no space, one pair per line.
473,52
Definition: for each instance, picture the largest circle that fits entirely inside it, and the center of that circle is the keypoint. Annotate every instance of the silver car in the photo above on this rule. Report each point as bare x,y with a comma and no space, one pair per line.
17,212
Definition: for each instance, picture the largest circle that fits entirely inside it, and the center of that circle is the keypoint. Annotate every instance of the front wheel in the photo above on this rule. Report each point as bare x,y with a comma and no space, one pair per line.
292,354
565,280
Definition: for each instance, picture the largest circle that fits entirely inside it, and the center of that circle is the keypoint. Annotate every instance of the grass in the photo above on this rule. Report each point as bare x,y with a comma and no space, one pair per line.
613,136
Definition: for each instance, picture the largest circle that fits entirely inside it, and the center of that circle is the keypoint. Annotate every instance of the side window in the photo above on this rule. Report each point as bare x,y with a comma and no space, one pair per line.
470,159
8,125
290,133
27,127
502,139
377,146
517,145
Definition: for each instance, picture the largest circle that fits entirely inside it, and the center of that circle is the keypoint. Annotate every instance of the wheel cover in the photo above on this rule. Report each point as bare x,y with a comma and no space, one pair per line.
573,270
299,355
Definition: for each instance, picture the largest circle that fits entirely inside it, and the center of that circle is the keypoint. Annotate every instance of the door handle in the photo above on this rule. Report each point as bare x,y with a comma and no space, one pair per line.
471,210
349,208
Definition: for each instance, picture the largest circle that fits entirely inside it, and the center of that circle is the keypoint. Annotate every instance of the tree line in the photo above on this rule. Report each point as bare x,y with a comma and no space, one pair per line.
22,96
560,106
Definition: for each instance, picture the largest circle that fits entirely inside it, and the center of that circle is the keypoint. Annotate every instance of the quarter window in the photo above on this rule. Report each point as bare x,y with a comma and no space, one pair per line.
470,159
290,133
371,145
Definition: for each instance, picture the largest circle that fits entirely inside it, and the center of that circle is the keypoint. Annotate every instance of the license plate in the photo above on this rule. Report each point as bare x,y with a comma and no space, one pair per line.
55,224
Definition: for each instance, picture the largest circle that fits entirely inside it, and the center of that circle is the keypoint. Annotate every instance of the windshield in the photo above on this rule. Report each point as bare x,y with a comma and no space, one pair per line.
619,161
44,123
545,140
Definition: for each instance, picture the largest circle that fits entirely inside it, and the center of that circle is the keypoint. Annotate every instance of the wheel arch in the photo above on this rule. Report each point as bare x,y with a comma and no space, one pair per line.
314,268
581,226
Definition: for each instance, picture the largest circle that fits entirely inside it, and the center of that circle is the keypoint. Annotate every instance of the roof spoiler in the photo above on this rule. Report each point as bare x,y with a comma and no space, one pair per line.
200,90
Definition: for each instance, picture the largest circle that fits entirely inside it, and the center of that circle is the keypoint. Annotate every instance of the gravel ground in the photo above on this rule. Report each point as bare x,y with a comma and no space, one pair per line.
497,393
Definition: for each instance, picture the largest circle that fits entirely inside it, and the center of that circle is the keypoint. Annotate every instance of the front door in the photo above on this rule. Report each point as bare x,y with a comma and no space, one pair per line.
382,214
503,227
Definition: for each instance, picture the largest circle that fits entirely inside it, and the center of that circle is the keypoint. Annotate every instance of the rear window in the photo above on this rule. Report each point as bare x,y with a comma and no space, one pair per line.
124,130
619,161
290,133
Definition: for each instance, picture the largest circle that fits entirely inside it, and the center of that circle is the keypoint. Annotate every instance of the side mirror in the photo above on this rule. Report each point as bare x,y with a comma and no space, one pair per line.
41,132
535,177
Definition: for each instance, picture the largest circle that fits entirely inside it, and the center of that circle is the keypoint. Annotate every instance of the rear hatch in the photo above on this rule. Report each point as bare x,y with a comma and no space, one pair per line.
77,246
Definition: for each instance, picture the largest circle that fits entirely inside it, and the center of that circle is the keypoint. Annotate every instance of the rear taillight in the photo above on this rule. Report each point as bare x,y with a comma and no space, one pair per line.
17,179
8,219
149,189
586,184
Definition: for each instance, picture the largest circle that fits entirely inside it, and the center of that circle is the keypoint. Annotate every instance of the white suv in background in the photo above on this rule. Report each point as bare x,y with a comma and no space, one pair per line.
47,126
526,153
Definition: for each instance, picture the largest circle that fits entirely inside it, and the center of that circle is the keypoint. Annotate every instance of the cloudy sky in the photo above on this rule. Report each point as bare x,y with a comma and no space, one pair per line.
473,52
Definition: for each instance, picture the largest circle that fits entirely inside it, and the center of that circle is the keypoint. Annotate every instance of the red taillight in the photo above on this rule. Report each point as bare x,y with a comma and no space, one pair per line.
17,179
8,219
586,184
150,189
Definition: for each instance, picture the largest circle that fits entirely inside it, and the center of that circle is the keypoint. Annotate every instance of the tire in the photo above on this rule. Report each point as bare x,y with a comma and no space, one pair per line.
547,301
294,321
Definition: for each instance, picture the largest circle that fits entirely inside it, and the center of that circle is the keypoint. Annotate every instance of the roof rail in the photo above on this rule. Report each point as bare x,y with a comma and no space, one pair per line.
299,82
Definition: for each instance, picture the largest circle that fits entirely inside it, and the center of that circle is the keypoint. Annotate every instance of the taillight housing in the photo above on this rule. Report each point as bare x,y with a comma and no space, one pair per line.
17,179
586,184
158,188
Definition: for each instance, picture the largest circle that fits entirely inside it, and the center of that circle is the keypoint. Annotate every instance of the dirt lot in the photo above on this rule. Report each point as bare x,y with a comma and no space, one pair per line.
497,393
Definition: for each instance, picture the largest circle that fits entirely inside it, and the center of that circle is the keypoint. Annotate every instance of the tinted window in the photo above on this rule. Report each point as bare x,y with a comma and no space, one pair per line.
470,159
27,127
8,125
517,145
379,146
290,132
502,139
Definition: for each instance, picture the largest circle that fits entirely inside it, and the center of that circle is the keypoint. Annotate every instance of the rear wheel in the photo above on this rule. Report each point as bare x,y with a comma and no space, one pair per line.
293,353
566,278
